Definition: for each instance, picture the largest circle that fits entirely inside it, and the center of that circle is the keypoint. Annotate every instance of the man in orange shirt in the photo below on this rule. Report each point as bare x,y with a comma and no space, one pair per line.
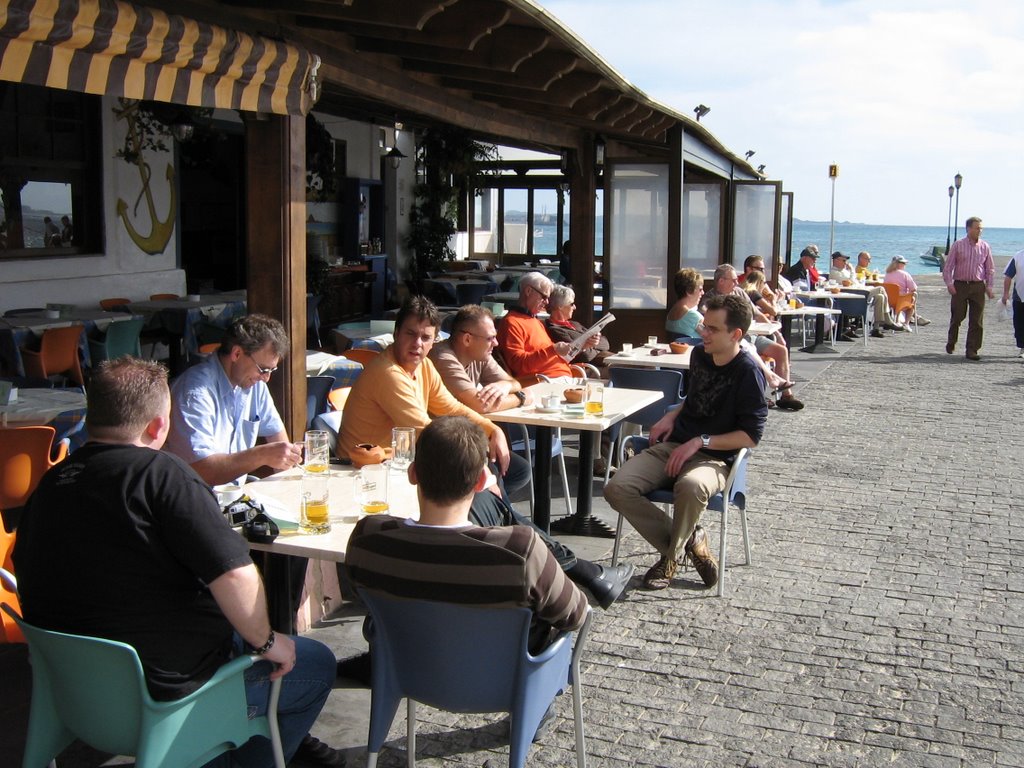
522,338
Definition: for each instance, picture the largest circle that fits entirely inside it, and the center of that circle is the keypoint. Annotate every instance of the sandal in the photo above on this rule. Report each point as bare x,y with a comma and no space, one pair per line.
789,404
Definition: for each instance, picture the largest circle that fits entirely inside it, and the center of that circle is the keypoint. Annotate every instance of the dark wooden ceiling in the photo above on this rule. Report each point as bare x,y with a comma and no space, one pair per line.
504,69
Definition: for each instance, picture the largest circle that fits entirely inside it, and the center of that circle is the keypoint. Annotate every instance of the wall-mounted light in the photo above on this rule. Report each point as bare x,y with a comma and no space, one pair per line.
395,157
749,154
700,110
599,149
564,187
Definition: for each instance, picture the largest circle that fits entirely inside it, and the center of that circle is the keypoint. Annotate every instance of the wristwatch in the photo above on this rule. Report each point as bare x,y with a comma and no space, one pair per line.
521,396
705,441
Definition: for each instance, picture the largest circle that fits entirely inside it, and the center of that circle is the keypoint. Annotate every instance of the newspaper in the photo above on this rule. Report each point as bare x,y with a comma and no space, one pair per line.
577,344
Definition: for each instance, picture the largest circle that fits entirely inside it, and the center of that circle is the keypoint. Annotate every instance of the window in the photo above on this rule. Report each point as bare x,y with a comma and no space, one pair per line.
702,225
50,186
636,253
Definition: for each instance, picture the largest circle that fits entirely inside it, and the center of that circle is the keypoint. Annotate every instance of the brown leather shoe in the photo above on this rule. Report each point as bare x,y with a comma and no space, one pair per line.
701,558
660,574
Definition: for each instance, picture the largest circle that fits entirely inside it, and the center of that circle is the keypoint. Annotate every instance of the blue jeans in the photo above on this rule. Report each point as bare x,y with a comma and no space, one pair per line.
304,691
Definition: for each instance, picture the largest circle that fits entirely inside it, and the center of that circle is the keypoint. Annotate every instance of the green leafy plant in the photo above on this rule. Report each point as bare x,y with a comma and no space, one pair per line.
445,160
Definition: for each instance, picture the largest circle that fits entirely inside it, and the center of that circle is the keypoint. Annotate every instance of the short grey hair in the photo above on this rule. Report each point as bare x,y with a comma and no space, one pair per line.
723,270
561,296
535,280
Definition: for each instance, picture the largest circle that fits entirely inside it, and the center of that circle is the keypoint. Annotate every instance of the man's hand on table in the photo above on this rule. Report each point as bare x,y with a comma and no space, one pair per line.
281,455
494,393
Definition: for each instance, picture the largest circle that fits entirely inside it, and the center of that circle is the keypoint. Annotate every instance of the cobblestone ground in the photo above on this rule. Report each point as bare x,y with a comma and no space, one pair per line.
880,623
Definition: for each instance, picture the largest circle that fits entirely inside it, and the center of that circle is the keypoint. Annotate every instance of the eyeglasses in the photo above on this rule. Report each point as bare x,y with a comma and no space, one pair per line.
707,330
263,371
757,267
544,296
488,339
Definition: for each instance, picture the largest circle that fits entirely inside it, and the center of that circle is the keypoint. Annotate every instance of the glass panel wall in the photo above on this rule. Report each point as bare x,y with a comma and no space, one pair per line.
515,222
702,226
754,221
637,248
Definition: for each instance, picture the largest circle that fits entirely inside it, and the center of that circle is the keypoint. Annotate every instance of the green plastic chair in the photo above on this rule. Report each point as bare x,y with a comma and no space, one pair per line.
94,690
121,338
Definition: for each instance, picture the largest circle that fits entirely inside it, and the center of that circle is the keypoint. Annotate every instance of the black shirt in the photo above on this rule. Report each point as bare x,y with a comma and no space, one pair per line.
721,399
121,542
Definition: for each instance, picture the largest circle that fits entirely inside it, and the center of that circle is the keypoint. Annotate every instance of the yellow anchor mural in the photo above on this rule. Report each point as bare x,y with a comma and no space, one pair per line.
156,241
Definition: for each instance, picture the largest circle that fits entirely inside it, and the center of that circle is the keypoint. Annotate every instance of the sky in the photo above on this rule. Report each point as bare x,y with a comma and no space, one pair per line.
901,94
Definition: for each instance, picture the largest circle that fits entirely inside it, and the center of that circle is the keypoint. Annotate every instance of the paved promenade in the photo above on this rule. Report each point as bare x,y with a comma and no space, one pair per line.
881,623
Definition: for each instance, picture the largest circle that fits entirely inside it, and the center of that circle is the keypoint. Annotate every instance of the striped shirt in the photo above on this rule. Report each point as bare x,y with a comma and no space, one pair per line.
492,567
969,261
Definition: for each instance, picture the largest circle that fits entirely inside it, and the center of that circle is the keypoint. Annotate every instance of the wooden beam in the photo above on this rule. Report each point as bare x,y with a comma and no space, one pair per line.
537,73
414,14
582,218
391,88
276,233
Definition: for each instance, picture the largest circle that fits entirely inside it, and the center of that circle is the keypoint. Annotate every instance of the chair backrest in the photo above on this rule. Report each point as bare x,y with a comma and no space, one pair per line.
668,382
317,390
496,308
24,311
9,630
338,397
95,690
380,327
24,459
100,683
456,657
852,307
897,303
122,339
58,353
111,305
363,356
472,293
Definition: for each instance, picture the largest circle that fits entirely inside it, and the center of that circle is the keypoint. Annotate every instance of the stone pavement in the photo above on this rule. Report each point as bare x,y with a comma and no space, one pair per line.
880,624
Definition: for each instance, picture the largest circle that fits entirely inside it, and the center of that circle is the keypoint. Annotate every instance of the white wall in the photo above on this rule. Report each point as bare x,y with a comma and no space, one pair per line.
122,268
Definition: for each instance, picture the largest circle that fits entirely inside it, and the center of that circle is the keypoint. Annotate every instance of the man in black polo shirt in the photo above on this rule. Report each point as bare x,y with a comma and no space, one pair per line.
166,573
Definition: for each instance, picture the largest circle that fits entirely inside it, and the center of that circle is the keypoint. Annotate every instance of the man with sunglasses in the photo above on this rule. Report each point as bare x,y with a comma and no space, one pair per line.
522,338
693,445
222,406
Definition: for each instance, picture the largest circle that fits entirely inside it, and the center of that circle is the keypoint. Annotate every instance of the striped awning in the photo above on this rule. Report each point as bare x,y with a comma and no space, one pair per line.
121,49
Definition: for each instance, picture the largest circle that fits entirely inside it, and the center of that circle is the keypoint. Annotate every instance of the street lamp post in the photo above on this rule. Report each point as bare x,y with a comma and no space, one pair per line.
957,181
949,218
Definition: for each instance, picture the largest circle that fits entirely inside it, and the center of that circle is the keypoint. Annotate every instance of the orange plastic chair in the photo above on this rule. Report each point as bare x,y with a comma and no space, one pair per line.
363,356
9,631
26,453
164,296
58,354
899,304
110,305
338,397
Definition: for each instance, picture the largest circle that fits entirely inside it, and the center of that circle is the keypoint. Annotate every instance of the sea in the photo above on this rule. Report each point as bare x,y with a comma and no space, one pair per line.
884,242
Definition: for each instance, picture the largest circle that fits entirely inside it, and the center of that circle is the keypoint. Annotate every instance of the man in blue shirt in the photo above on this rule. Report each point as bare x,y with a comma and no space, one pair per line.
222,406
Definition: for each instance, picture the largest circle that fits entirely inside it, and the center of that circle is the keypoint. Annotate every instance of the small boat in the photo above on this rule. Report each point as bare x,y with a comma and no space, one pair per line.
936,256
538,233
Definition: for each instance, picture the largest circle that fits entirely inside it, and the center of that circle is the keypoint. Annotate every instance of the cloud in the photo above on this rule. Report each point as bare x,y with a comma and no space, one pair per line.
902,94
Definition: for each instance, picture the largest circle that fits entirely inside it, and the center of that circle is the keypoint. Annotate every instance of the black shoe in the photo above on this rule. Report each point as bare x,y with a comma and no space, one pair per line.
973,356
877,334
949,349
356,668
313,753
612,582
789,404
